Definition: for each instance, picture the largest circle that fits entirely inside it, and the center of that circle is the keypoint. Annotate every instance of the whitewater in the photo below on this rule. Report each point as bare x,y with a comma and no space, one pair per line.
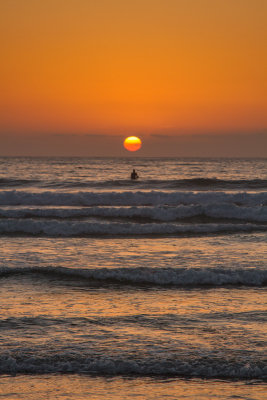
126,289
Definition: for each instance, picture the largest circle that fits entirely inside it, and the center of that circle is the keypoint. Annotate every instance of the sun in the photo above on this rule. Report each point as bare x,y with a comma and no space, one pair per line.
132,143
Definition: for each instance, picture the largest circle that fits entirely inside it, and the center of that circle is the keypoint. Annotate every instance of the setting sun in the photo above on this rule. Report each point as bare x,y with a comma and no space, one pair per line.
132,143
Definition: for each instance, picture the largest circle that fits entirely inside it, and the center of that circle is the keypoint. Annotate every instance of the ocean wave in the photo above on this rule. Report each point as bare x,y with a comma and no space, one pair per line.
221,183
13,182
128,198
161,277
195,183
156,213
69,362
57,228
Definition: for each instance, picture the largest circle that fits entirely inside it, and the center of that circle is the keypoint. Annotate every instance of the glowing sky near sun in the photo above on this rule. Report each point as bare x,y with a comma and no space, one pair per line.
131,67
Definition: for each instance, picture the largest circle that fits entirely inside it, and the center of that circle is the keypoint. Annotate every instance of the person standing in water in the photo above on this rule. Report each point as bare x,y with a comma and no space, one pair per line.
134,175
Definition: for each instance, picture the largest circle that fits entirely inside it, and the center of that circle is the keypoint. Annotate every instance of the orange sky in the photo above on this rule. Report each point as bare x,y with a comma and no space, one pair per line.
133,67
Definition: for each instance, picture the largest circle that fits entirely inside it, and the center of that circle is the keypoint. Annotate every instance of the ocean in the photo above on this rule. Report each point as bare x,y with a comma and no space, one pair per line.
120,289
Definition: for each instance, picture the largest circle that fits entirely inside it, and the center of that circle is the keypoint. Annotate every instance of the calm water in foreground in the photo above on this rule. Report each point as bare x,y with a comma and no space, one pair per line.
120,289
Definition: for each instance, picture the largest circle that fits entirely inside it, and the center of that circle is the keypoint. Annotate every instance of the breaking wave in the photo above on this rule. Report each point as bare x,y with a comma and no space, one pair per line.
69,362
128,198
156,213
131,213
85,228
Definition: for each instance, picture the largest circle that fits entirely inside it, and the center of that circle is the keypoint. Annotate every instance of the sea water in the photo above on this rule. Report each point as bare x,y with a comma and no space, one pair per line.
120,289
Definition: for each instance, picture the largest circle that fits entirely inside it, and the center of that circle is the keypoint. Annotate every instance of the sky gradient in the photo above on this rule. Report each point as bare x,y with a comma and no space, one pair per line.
177,68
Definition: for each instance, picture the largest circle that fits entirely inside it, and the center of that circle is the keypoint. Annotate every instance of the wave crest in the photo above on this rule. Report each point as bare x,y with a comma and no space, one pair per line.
206,367
163,277
55,228
128,198
157,213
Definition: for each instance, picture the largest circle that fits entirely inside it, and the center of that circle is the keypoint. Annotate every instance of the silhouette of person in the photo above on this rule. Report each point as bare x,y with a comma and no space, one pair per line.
134,175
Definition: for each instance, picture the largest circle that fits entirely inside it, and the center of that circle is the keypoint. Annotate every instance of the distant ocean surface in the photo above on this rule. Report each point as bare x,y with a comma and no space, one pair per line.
120,289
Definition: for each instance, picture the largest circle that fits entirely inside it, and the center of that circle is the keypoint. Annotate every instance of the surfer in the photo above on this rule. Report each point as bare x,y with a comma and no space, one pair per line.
134,175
